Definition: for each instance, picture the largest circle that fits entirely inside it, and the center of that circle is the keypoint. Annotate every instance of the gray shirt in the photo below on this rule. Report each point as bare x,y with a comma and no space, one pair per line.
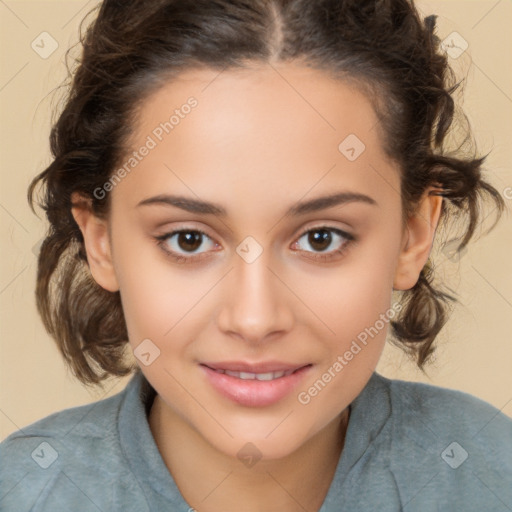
408,447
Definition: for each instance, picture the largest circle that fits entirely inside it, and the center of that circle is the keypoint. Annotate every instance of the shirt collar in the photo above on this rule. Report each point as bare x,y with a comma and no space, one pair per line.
140,448
369,415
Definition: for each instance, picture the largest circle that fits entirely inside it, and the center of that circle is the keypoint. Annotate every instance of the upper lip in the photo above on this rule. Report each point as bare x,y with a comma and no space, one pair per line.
263,367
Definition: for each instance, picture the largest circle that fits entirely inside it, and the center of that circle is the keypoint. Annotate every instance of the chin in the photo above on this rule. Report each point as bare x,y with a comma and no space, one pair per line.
261,446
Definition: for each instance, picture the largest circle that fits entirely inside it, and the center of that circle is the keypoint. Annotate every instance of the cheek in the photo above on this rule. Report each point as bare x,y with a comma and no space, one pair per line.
358,314
351,297
154,295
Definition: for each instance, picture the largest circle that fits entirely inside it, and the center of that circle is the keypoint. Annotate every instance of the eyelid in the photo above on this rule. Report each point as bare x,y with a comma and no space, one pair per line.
184,229
327,226
190,227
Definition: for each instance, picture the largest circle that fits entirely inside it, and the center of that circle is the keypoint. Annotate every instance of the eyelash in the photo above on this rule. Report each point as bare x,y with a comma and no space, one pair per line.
162,239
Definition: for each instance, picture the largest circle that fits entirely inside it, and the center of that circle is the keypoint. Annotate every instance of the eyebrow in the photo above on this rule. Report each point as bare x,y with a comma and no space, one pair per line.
206,208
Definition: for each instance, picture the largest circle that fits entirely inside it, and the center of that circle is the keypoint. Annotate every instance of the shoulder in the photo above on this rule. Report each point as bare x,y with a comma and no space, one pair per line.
76,444
449,410
450,443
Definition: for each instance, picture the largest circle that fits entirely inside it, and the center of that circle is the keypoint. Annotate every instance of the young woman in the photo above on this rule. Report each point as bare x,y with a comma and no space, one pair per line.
246,194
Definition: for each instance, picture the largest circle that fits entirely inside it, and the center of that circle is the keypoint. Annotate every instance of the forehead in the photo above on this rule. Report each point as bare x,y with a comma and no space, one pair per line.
260,99
258,130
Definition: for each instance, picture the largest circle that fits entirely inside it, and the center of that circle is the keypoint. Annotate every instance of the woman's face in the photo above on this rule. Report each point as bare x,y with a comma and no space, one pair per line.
281,279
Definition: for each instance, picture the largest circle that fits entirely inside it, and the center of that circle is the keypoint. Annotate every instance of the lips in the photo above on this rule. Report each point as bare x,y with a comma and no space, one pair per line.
255,385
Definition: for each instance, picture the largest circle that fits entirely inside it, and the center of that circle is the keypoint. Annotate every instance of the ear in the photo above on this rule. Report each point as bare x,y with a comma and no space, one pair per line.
417,240
97,242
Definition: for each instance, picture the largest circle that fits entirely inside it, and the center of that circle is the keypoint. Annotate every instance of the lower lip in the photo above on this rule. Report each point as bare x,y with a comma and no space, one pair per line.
254,393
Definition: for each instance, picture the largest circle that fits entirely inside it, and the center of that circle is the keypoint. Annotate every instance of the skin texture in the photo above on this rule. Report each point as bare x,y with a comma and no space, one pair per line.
259,141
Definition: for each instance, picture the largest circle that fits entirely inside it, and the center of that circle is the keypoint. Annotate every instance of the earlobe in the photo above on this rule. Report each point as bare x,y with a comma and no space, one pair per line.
417,241
97,243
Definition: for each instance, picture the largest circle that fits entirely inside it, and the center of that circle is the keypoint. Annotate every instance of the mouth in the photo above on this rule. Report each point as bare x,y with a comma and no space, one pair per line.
255,384
266,371
256,376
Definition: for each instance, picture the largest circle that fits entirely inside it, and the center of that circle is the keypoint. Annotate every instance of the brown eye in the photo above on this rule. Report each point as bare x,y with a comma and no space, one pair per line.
321,238
189,240
183,244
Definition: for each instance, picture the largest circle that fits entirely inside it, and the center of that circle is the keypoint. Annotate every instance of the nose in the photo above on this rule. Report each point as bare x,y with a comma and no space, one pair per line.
256,304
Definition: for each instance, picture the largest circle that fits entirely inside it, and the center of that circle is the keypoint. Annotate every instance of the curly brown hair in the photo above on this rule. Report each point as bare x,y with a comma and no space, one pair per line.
133,47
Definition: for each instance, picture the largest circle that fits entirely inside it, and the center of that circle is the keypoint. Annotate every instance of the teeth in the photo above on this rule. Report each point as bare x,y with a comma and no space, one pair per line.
256,376
269,376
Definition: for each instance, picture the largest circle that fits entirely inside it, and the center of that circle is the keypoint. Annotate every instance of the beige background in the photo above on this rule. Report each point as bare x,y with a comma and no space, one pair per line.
475,353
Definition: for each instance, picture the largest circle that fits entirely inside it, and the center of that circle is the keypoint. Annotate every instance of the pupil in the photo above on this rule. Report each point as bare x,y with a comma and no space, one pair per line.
318,239
189,240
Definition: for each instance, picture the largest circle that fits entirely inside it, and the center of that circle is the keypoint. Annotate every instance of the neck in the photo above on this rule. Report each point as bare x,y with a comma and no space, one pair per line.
210,480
